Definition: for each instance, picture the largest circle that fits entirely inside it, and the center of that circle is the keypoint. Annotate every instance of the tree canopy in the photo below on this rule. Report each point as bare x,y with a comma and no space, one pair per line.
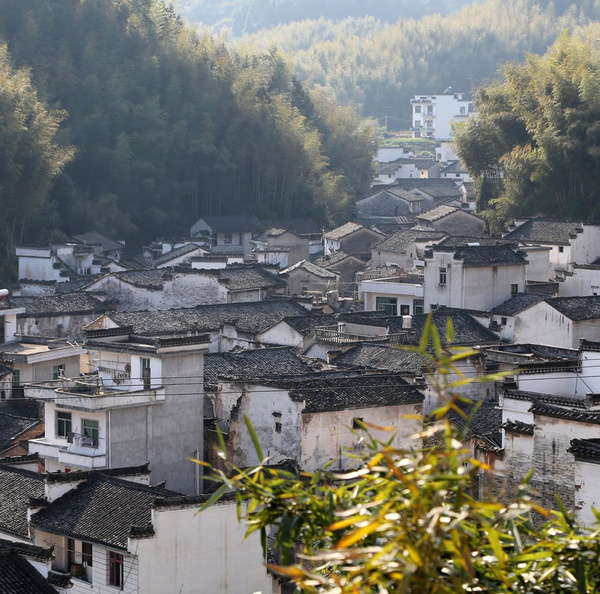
168,125
534,146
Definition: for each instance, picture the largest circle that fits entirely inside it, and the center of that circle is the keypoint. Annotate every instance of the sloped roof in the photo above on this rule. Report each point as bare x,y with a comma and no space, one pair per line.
248,276
544,230
101,510
518,303
464,241
258,363
12,427
454,167
481,420
55,305
344,392
176,253
17,486
18,576
489,255
250,317
306,324
334,259
312,268
577,308
400,240
437,212
95,238
343,230
374,356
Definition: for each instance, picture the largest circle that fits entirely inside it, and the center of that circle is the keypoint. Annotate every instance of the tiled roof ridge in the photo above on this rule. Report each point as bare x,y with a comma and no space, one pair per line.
585,449
517,426
22,471
26,549
564,413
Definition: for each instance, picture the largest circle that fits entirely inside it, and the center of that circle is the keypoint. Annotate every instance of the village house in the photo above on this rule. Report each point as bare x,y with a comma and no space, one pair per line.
8,317
477,277
406,167
404,249
180,256
306,278
314,419
346,265
227,325
227,234
297,247
570,243
392,203
20,420
456,171
451,220
185,287
58,263
398,294
432,115
144,402
351,238
103,246
57,316
304,228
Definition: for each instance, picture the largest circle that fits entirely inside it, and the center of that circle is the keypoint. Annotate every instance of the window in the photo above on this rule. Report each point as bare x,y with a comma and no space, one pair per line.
561,249
514,289
430,110
418,123
86,553
463,109
358,423
418,307
58,371
404,310
146,376
227,238
443,275
387,304
63,423
277,427
417,109
90,433
16,378
115,569
429,124
71,557
503,321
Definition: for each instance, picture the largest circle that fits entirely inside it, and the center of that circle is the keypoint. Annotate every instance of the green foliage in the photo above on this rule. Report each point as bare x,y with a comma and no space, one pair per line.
407,521
540,128
381,65
30,157
170,126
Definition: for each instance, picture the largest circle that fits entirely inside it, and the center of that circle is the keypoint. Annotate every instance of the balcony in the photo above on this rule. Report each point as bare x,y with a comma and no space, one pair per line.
80,453
93,396
411,286
333,335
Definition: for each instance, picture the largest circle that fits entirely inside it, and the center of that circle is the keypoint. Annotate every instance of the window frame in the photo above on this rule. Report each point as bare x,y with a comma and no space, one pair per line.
87,554
56,371
389,305
514,289
115,569
443,276
95,439
67,422
146,372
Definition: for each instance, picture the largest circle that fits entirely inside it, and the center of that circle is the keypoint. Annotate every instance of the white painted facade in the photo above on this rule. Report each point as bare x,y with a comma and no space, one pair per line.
399,298
432,115
449,282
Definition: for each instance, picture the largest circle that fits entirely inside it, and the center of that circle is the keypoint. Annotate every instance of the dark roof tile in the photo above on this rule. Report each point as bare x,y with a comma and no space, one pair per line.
55,305
17,486
18,576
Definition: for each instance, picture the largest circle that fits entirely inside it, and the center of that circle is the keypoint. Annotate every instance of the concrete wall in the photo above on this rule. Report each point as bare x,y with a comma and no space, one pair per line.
328,435
586,246
203,552
280,334
301,280
61,326
587,494
584,281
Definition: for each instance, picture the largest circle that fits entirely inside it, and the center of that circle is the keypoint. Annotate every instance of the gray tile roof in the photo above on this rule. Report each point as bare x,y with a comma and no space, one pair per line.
56,305
312,268
577,308
544,230
343,230
334,259
176,253
454,241
518,303
467,331
18,576
17,486
437,212
259,363
144,279
94,238
493,255
249,276
585,449
400,240
373,356
306,324
251,317
454,167
481,420
12,427
101,510
340,392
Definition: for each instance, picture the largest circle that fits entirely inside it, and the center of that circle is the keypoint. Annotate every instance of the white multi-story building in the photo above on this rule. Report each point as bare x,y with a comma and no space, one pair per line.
432,115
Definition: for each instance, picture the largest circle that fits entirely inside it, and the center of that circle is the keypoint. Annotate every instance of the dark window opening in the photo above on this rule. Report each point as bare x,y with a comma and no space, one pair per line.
115,569
443,275
146,376
277,427
358,423
63,423
514,289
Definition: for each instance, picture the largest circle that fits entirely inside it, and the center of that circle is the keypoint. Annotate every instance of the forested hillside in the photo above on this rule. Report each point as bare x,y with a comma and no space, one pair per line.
162,126
238,17
381,65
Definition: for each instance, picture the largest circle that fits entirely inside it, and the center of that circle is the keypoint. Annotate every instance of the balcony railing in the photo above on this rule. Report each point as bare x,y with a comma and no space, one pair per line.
333,335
